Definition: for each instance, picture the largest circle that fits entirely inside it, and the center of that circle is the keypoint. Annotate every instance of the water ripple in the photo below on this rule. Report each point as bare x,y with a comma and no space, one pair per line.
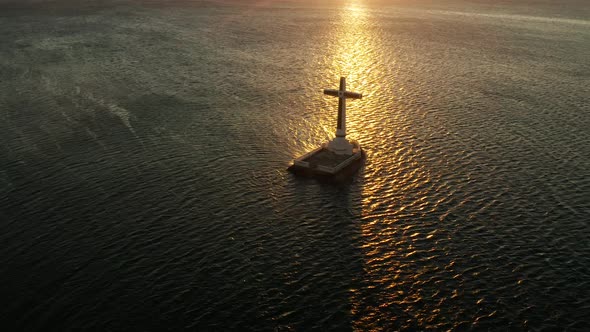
144,154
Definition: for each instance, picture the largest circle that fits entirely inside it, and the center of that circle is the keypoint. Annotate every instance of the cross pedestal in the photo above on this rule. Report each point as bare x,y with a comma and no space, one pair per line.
340,145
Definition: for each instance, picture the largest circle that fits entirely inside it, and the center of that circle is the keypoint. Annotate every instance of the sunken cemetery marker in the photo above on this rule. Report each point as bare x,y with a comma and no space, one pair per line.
339,158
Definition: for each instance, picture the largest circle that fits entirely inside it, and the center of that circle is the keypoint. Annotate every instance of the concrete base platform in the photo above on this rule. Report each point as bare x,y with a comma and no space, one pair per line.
324,164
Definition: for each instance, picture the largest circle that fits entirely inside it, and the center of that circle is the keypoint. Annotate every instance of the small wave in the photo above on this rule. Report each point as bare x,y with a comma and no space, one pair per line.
516,17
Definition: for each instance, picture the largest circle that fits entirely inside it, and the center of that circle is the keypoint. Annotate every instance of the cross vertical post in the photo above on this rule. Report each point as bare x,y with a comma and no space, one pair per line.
340,144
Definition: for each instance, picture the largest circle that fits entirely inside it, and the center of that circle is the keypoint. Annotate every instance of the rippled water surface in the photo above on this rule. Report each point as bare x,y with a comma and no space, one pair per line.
143,155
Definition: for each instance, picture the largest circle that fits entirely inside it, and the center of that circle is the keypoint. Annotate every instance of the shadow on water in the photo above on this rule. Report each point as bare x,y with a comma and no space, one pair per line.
327,264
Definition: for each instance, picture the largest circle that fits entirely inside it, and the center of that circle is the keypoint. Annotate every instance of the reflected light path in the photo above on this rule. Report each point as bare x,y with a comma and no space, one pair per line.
357,56
389,296
412,277
353,53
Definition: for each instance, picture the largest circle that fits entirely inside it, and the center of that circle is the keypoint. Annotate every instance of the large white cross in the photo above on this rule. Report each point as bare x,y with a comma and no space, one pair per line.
342,94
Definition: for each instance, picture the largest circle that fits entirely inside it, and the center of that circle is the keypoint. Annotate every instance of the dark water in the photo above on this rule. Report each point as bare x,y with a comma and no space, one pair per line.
143,150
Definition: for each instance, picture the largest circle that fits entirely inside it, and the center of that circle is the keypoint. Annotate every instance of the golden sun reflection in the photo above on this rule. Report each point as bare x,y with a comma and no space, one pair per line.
352,50
356,51
395,183
352,54
355,9
355,54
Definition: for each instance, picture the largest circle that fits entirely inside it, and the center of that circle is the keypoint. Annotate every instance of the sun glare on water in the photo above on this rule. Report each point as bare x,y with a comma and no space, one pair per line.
355,51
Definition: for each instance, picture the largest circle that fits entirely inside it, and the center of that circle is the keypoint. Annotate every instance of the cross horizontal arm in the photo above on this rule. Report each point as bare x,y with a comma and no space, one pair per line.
345,94
331,92
353,95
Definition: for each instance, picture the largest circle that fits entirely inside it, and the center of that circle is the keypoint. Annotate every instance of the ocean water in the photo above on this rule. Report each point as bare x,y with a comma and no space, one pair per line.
144,147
